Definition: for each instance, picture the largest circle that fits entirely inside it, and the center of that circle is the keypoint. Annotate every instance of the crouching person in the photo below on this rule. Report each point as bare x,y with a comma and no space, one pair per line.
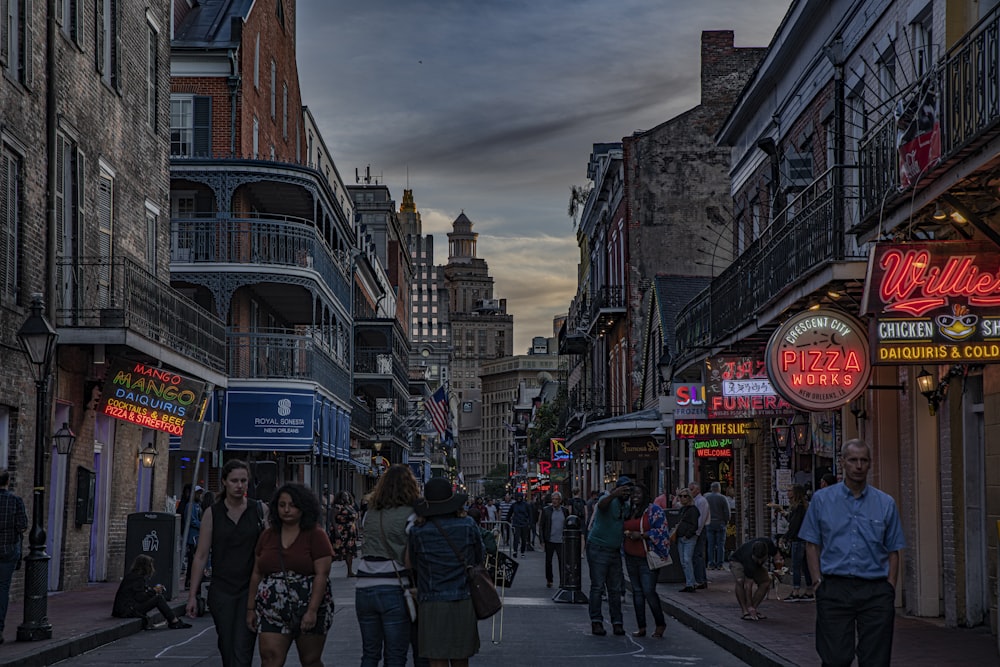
135,597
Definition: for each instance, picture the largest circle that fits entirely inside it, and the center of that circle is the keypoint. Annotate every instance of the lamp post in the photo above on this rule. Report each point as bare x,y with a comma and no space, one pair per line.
38,342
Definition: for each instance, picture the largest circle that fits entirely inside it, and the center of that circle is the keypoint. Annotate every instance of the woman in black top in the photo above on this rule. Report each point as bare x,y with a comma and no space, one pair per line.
686,535
135,597
796,512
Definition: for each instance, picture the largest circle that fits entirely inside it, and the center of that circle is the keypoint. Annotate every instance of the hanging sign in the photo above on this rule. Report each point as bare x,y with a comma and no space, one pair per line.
818,359
714,448
935,302
148,396
692,429
737,387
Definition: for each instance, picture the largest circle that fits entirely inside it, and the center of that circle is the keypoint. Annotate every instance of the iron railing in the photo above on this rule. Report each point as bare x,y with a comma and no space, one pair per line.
270,241
121,294
379,361
270,356
361,416
809,232
607,298
967,81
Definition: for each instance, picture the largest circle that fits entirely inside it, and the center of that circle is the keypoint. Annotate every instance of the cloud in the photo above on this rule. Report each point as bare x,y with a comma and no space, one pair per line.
493,107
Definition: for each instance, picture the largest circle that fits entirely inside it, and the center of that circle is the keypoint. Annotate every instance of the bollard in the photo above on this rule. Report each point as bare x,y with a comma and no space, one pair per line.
569,588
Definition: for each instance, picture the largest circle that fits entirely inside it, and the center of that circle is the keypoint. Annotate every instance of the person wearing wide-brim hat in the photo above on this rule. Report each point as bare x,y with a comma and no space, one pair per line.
604,544
447,631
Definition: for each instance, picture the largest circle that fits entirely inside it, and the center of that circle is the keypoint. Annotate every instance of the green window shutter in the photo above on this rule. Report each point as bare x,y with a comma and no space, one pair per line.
99,35
202,126
105,191
27,64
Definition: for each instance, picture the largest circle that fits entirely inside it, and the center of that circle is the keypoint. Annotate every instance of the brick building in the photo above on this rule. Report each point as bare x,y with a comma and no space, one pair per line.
84,221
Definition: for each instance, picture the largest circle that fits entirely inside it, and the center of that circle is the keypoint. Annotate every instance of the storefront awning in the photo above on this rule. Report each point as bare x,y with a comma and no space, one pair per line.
633,424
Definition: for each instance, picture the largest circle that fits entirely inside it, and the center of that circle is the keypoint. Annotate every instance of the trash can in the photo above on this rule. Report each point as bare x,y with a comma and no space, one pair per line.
157,535
673,573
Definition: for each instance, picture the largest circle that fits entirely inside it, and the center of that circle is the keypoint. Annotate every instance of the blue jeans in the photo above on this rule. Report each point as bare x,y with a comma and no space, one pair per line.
643,582
686,547
699,559
605,571
8,562
385,625
716,535
799,564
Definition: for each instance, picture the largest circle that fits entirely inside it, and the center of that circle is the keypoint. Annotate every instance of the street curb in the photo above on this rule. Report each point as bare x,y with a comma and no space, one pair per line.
749,652
54,650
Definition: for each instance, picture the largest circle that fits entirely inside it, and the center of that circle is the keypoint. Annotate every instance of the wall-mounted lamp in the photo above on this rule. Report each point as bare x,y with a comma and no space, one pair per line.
928,387
665,368
939,215
800,430
781,429
147,457
659,435
64,439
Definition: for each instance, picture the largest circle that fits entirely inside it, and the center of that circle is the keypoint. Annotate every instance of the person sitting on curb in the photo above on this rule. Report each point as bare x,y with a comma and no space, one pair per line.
748,565
135,597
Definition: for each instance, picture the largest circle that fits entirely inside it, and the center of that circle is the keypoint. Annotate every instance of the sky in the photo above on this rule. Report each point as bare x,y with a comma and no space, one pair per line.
492,107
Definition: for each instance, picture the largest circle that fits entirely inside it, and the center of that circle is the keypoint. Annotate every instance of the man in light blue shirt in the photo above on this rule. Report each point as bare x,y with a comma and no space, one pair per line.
853,539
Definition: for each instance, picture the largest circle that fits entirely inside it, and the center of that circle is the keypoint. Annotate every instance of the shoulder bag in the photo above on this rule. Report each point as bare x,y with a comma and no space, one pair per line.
409,590
485,598
654,560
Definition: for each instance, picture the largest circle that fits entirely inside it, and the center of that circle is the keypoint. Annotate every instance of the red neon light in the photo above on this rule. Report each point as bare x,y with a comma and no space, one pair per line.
912,285
712,452
821,361
544,467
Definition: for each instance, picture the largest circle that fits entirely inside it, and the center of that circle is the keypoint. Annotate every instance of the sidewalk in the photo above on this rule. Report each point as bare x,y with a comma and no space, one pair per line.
787,636
81,621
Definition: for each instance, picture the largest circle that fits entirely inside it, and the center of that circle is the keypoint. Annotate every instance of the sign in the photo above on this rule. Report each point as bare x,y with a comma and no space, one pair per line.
934,302
558,452
738,387
502,568
818,359
297,459
634,449
690,401
280,420
714,448
152,397
690,429
918,131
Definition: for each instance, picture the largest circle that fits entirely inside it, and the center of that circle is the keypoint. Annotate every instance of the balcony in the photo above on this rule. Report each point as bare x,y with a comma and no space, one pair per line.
966,81
361,417
265,355
280,242
119,294
573,336
378,361
806,236
606,307
594,403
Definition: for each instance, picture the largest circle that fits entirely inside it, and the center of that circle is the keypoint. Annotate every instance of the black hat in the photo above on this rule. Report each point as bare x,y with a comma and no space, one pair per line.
439,498
623,481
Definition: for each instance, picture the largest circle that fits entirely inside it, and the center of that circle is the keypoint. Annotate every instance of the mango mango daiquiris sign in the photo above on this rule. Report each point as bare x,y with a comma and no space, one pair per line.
148,396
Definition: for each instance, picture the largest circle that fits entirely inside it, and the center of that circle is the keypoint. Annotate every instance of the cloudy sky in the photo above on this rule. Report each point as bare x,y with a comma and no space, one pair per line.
492,107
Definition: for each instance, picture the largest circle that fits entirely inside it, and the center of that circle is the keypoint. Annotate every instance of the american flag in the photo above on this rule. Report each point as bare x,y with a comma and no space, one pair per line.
438,409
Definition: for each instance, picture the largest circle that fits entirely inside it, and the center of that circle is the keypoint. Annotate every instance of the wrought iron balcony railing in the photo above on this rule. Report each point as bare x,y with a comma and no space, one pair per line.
361,416
378,361
122,294
966,81
279,241
808,233
273,355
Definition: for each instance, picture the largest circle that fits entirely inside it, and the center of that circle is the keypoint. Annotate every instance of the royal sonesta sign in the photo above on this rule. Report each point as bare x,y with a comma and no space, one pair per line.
818,359
935,302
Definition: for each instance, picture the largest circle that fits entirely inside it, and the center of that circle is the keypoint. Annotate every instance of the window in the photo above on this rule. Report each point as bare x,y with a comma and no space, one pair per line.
923,45
887,73
190,126
108,42
256,136
256,63
69,200
274,87
152,234
16,38
284,110
152,77
10,224
105,226
71,18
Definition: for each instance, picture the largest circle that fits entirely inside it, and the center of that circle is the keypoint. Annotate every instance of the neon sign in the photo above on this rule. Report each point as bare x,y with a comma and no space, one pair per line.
690,429
818,359
152,397
934,302
738,387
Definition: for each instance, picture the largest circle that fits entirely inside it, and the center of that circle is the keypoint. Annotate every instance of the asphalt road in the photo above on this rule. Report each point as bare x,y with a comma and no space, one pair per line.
533,630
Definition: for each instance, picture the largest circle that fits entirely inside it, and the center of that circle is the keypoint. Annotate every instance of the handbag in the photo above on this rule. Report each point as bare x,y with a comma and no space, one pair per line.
409,590
654,560
485,598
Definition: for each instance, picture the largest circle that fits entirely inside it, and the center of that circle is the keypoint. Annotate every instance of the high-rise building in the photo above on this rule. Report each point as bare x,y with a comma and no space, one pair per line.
481,330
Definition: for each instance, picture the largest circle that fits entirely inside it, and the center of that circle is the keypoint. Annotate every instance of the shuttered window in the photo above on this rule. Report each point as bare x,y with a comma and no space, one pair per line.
10,224
108,42
16,39
105,220
190,126
152,77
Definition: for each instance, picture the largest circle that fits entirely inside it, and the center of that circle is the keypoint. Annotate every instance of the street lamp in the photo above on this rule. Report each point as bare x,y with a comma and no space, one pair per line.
64,439
38,342
147,457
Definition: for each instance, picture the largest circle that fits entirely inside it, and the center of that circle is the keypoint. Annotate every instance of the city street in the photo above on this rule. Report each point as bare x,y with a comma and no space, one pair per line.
532,631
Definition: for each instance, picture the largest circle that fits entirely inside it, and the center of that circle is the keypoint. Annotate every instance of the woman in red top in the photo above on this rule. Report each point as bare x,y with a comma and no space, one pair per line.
290,585
643,579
